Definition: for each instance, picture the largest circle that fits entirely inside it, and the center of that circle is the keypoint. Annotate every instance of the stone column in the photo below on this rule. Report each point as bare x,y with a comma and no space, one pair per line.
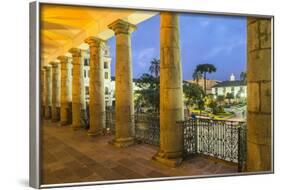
78,99
66,96
55,91
171,92
259,78
83,92
42,92
96,87
123,84
48,91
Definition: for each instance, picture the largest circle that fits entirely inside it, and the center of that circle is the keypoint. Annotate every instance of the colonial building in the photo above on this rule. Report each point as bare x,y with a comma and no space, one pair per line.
236,87
209,84
108,91
109,81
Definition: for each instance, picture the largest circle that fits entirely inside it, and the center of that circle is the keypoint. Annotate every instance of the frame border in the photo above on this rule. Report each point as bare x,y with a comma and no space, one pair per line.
34,94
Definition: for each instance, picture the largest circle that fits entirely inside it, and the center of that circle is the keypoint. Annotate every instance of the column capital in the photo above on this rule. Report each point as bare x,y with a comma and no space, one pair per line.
54,64
121,26
47,67
94,41
76,52
63,58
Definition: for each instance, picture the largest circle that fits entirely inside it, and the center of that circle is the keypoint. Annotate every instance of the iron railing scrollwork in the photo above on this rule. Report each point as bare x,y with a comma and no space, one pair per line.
147,128
224,140
110,120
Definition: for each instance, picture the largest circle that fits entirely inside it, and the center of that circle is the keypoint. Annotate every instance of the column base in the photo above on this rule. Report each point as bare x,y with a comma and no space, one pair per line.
76,127
168,161
63,123
123,142
55,114
94,133
55,120
48,113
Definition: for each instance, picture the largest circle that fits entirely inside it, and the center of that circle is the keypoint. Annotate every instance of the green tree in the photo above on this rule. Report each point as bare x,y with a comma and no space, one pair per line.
196,76
148,95
229,96
214,106
220,98
154,67
204,69
194,94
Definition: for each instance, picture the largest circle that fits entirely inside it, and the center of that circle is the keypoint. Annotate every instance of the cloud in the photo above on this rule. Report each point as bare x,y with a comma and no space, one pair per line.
224,48
204,23
145,55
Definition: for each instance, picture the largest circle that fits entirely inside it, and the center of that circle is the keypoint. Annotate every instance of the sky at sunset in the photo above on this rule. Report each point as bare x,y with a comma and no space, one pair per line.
218,40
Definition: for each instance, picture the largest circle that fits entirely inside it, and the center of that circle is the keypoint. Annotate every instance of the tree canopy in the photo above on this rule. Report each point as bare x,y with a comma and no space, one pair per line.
193,94
148,95
204,69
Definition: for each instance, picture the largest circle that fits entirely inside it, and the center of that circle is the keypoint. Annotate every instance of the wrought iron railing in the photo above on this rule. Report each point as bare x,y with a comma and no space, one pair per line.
110,120
147,128
225,140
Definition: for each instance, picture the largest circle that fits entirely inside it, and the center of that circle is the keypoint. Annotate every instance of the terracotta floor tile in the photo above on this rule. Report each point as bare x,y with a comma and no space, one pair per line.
73,156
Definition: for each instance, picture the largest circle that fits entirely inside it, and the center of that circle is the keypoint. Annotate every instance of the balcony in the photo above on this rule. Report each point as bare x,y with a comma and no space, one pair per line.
72,156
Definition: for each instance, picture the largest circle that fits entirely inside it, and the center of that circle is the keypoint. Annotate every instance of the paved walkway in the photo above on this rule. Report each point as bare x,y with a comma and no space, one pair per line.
73,156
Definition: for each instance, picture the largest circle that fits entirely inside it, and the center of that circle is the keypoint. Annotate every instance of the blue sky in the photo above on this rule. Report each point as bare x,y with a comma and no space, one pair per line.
219,40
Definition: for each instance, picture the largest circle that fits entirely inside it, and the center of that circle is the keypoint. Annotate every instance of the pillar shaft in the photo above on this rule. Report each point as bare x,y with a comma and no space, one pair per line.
78,88
66,96
55,92
259,136
171,93
123,84
96,87
48,92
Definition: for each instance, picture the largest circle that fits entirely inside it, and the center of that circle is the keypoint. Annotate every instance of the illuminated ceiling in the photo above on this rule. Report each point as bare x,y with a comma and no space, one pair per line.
64,27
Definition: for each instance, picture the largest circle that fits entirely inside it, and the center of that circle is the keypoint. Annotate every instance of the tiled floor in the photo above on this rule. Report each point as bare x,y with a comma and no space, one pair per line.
73,156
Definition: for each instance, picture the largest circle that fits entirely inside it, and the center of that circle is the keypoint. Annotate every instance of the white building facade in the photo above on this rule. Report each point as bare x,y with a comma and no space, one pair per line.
109,81
236,87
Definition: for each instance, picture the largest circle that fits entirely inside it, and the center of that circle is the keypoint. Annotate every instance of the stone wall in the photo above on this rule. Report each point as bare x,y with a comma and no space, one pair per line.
259,94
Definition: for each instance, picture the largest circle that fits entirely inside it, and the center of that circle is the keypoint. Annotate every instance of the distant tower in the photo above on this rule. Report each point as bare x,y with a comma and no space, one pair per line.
232,77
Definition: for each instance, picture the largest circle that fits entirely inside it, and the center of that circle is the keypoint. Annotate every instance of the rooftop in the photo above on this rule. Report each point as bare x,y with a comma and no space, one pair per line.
231,83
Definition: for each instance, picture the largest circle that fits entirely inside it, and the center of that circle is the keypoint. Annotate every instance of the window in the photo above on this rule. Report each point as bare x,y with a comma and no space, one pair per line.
105,65
87,90
85,74
86,62
106,75
106,90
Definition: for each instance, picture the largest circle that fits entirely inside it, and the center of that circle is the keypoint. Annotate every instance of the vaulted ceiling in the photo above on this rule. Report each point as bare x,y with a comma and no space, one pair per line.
63,27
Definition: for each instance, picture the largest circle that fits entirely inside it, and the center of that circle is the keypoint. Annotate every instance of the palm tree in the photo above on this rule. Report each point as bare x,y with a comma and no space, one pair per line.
154,67
196,76
204,69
